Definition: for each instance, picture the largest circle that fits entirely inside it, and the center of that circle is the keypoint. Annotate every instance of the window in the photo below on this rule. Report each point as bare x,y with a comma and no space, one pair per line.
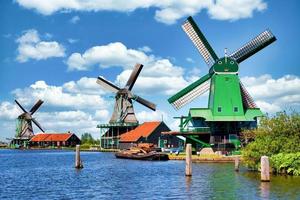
235,109
219,109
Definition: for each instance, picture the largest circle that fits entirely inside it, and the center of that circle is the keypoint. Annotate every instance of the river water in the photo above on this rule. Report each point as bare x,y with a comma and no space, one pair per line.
34,174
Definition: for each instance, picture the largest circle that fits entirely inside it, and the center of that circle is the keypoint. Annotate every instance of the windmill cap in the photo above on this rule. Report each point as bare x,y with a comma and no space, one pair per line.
225,65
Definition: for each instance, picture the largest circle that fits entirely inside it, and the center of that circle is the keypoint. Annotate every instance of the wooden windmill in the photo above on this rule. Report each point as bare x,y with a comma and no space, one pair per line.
24,129
123,108
123,118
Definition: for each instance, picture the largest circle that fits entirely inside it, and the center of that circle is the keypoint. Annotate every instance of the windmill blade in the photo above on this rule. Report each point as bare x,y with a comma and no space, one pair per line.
36,106
37,124
107,85
191,92
144,102
20,106
252,47
248,101
134,74
199,40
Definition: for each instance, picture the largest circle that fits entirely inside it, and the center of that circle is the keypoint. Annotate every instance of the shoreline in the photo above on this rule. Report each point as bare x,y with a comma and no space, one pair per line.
195,158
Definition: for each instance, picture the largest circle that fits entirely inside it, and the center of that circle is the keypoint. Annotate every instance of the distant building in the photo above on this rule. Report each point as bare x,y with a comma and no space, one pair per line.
148,132
3,144
54,139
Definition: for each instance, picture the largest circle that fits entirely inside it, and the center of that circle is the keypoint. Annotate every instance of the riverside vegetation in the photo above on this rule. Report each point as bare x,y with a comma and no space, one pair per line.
88,141
277,137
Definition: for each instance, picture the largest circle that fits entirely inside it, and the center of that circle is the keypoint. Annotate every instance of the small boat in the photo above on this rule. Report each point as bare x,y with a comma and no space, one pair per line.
136,153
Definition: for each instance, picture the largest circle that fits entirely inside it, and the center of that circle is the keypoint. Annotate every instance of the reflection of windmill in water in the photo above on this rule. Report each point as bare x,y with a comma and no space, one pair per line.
24,130
123,118
230,107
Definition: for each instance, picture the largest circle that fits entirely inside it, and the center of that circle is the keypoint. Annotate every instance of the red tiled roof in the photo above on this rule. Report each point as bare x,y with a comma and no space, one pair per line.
143,130
51,137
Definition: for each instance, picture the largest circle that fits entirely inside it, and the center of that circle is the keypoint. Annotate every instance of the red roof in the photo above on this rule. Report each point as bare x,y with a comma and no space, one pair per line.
143,130
51,137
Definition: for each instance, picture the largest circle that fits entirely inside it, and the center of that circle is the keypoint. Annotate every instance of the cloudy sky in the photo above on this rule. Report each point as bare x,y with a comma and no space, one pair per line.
54,49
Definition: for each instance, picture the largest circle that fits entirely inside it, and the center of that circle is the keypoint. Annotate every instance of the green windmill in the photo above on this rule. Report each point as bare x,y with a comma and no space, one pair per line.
230,107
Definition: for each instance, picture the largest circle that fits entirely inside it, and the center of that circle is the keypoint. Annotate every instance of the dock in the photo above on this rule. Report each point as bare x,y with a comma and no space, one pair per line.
205,159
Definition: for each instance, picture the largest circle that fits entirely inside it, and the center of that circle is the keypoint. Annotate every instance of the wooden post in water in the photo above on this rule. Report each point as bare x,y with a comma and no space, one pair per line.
188,160
236,164
78,163
265,169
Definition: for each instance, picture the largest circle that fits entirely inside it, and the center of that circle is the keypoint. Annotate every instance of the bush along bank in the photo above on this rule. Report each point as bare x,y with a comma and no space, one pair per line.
277,137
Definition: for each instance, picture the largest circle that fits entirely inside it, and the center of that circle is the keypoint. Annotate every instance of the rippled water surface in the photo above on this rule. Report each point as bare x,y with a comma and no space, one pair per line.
51,175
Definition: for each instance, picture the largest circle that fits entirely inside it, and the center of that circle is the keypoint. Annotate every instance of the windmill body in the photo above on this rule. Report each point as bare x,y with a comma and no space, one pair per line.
24,127
230,107
123,108
123,118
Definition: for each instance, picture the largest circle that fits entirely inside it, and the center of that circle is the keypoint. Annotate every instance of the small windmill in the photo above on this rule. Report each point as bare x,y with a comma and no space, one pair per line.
24,126
123,108
230,107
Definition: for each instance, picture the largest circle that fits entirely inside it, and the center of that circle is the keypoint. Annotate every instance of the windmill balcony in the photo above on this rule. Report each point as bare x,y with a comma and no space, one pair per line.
195,130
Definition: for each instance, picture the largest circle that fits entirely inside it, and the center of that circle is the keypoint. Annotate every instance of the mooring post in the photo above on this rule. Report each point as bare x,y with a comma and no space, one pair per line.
265,169
188,160
236,163
78,163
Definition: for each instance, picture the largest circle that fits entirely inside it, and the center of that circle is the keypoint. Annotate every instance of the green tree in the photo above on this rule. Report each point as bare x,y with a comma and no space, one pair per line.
87,138
277,134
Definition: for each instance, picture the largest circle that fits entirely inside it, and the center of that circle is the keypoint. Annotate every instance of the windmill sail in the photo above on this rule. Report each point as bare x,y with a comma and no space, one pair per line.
248,101
134,74
199,40
144,102
36,106
123,109
107,85
191,92
252,47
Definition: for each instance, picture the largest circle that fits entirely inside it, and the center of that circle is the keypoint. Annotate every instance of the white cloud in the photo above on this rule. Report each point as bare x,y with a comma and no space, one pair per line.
235,9
30,46
74,19
84,85
8,110
72,41
264,87
190,60
273,95
268,107
145,49
147,84
76,96
157,115
113,54
166,11
159,75
76,121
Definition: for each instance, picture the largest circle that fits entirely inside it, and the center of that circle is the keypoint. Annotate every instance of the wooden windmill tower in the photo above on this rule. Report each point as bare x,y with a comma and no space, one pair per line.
24,130
230,107
123,117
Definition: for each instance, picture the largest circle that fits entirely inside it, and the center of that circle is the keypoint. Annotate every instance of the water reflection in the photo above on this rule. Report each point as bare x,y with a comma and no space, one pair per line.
265,190
188,183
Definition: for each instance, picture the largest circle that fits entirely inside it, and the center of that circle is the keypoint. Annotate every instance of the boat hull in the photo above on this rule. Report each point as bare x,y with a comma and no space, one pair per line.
149,156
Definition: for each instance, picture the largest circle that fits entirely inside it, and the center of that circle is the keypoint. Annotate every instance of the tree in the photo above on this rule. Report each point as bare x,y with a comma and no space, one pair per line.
275,135
87,138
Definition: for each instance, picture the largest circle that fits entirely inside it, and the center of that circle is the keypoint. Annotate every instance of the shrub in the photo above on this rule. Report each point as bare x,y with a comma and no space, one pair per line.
286,163
275,135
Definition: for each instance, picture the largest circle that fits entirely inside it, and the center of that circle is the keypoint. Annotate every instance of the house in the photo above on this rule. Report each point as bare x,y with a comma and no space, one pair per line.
54,139
148,132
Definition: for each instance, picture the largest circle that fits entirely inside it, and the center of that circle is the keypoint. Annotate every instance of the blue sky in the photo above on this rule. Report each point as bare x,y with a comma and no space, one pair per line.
55,50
